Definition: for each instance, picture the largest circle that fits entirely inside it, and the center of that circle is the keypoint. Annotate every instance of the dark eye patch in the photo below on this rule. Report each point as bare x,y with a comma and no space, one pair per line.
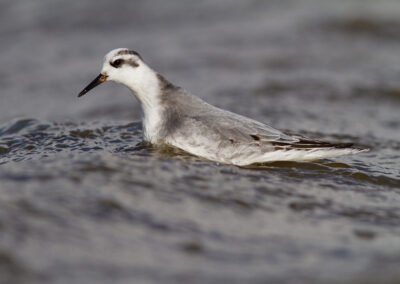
117,63
132,63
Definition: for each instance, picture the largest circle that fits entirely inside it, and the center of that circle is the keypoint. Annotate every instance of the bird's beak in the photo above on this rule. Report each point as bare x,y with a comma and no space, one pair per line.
97,81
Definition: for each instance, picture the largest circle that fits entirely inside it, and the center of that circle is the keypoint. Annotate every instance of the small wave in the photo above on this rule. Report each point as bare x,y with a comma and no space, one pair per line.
16,125
364,25
26,138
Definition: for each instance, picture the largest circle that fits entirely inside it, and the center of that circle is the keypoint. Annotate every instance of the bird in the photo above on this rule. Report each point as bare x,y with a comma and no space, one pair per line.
174,117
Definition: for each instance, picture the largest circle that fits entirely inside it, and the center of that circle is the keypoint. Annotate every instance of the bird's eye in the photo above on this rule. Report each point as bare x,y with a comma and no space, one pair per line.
117,63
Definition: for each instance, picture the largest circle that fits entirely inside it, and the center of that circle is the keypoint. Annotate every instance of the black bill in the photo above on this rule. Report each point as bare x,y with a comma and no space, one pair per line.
97,81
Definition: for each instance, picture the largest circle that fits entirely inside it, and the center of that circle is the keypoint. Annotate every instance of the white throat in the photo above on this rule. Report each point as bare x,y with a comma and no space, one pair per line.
145,86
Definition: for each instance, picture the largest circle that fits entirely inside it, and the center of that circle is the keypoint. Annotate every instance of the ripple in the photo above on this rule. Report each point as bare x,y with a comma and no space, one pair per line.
383,216
16,125
11,268
364,234
363,25
22,139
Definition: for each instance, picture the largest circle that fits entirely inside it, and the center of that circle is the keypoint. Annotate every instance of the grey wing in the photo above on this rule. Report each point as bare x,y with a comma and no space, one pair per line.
240,129
236,130
264,134
189,113
244,130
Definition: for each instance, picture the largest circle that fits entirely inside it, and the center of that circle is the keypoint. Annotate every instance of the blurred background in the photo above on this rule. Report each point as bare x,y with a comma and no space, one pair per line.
79,204
234,54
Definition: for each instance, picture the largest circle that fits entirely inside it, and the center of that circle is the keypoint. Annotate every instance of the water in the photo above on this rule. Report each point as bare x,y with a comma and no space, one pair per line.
83,201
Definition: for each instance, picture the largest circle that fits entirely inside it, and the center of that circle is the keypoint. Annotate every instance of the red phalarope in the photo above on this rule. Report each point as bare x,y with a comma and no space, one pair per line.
174,117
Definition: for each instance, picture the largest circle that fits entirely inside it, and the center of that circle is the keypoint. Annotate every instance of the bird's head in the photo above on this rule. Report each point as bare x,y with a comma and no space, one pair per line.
120,65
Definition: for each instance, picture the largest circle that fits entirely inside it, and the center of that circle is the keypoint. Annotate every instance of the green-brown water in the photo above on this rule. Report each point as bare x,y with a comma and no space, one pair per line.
82,201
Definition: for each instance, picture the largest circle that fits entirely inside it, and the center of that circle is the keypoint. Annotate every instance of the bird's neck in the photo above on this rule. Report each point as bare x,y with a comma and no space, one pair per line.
149,91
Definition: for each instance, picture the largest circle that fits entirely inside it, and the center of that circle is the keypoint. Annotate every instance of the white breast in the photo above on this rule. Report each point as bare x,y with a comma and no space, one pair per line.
152,123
